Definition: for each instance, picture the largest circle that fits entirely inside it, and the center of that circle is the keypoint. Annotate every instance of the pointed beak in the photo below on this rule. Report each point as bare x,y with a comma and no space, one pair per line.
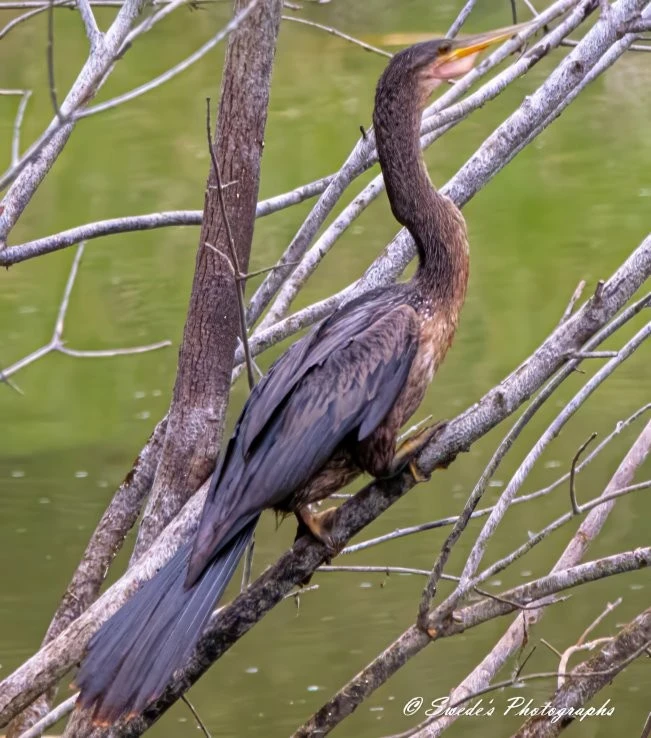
472,45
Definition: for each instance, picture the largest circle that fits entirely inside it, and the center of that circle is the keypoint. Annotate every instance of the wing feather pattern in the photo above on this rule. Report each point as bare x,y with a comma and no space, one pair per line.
339,382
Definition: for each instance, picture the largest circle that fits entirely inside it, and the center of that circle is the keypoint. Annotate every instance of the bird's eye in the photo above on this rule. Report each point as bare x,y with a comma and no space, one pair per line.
444,49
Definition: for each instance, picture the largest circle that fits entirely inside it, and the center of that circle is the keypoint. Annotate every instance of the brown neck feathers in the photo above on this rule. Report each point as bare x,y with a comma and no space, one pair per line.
437,226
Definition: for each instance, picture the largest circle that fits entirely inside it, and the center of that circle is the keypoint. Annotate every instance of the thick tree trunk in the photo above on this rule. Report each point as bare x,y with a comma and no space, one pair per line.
196,417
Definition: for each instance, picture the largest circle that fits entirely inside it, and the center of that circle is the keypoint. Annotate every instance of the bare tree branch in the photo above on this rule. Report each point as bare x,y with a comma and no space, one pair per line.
21,252
338,34
591,676
512,640
56,343
18,120
59,712
461,18
90,24
35,164
441,522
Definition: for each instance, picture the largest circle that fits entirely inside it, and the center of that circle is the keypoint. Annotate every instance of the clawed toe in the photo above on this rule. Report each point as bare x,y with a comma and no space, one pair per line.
320,525
411,447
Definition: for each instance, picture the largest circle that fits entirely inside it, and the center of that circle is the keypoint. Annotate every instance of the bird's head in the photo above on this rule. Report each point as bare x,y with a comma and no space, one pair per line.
423,67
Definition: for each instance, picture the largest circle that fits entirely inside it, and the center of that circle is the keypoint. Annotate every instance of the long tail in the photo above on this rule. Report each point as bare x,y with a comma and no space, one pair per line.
133,655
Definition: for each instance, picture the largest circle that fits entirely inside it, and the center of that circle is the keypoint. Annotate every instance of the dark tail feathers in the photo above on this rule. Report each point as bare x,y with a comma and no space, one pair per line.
133,655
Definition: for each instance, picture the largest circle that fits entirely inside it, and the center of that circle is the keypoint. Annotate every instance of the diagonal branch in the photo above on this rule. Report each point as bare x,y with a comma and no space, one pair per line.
513,638
362,156
590,677
51,663
95,36
48,244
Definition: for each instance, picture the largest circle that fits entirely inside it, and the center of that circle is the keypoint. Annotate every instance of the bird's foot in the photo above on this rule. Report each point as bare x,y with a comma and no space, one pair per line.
411,447
320,525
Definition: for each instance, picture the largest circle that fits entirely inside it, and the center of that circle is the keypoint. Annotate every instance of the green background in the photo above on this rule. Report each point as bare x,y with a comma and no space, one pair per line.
572,206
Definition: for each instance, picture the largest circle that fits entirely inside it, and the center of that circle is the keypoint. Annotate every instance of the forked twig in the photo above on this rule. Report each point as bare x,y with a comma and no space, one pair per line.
56,342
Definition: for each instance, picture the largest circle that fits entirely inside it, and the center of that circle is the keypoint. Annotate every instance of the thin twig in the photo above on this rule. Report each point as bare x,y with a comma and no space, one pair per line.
90,24
454,29
197,717
380,570
109,353
50,63
441,522
21,19
263,270
65,300
551,648
248,565
18,122
338,34
594,354
239,290
56,342
570,651
53,717
633,47
575,507
576,296
599,619
520,668
517,605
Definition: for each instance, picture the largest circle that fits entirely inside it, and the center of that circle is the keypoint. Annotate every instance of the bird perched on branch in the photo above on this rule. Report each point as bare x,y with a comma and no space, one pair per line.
330,407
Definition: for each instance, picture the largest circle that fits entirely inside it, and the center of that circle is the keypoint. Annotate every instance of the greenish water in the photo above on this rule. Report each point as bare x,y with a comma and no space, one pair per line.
571,207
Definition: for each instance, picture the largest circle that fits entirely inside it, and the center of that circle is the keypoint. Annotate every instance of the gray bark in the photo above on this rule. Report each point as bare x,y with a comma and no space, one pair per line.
591,676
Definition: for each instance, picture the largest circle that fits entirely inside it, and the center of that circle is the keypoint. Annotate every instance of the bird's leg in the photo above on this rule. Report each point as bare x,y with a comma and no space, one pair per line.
411,446
319,524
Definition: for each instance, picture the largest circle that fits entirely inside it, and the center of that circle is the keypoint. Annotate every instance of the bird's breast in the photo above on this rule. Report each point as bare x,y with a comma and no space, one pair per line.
435,337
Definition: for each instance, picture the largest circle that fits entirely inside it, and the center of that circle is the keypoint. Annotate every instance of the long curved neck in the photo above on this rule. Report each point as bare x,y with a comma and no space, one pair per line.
437,226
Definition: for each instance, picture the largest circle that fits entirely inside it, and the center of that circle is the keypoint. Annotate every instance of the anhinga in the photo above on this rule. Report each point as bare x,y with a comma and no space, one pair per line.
330,407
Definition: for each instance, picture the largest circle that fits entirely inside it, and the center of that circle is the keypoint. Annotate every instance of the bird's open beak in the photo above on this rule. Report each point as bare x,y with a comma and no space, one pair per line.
461,56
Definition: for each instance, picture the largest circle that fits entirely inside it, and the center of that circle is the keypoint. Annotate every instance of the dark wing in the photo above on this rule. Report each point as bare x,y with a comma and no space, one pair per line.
347,392
332,334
